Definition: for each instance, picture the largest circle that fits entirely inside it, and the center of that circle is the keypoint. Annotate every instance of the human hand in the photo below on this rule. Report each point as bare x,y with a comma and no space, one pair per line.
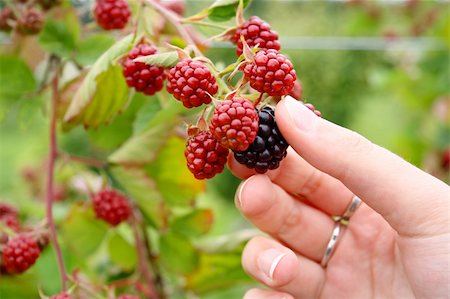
396,245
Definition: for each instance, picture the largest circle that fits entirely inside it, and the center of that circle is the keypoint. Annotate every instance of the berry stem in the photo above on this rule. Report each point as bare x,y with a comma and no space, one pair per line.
176,21
50,179
86,160
142,259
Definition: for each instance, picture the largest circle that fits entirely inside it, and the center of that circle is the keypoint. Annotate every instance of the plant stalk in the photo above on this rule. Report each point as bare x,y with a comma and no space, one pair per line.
53,154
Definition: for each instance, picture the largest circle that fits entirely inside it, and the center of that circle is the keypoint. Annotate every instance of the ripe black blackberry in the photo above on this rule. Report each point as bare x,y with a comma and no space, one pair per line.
269,147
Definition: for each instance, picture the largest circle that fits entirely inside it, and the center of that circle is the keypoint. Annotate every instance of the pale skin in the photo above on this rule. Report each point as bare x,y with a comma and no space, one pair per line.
396,245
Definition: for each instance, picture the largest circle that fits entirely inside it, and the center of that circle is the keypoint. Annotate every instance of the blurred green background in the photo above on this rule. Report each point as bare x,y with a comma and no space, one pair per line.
381,68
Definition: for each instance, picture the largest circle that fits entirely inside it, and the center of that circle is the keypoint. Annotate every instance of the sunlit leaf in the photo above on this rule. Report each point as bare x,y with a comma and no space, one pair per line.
223,10
177,254
16,78
103,91
217,271
143,147
176,183
91,48
193,224
60,37
167,59
122,252
88,230
143,191
121,127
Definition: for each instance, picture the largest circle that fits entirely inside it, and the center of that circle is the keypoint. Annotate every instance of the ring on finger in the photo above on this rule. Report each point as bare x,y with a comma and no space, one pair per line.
351,208
332,243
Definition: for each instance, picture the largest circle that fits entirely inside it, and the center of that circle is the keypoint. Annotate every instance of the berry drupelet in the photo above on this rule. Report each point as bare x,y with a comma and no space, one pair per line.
192,83
145,78
256,32
19,254
111,206
205,156
271,72
235,123
269,147
112,14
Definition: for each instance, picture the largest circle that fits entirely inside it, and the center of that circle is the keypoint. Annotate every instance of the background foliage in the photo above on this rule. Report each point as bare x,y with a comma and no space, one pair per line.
380,68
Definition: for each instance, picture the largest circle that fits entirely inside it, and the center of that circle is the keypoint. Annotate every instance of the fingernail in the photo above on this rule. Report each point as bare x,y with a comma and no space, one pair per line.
300,115
268,261
238,196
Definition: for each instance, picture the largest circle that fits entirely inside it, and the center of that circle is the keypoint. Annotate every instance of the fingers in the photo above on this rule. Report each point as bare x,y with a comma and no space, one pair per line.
302,227
266,294
279,268
384,181
299,178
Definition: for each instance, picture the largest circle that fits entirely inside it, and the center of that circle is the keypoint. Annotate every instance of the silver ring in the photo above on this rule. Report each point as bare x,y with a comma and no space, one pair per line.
351,209
331,246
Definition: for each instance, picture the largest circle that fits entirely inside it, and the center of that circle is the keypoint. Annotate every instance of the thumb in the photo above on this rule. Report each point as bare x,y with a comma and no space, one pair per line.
413,202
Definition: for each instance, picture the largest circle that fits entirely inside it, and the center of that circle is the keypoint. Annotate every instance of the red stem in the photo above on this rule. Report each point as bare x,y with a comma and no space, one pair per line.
142,261
50,182
87,161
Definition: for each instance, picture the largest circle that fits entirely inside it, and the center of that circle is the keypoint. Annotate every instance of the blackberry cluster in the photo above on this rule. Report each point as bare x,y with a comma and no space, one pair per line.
192,83
111,206
205,156
271,72
235,123
269,147
112,14
145,78
19,254
256,32
31,22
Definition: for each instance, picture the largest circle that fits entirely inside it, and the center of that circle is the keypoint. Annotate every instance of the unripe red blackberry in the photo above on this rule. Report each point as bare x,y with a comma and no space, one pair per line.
235,123
256,32
30,22
111,206
128,296
9,216
205,156
269,147
192,83
145,78
271,72
7,16
112,14
313,109
19,254
63,295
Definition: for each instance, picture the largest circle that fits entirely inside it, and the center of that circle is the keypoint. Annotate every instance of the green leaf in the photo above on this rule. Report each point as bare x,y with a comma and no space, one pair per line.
167,59
121,128
193,224
93,47
223,10
175,182
16,78
143,147
146,114
82,232
103,91
60,37
177,254
143,191
217,271
122,252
